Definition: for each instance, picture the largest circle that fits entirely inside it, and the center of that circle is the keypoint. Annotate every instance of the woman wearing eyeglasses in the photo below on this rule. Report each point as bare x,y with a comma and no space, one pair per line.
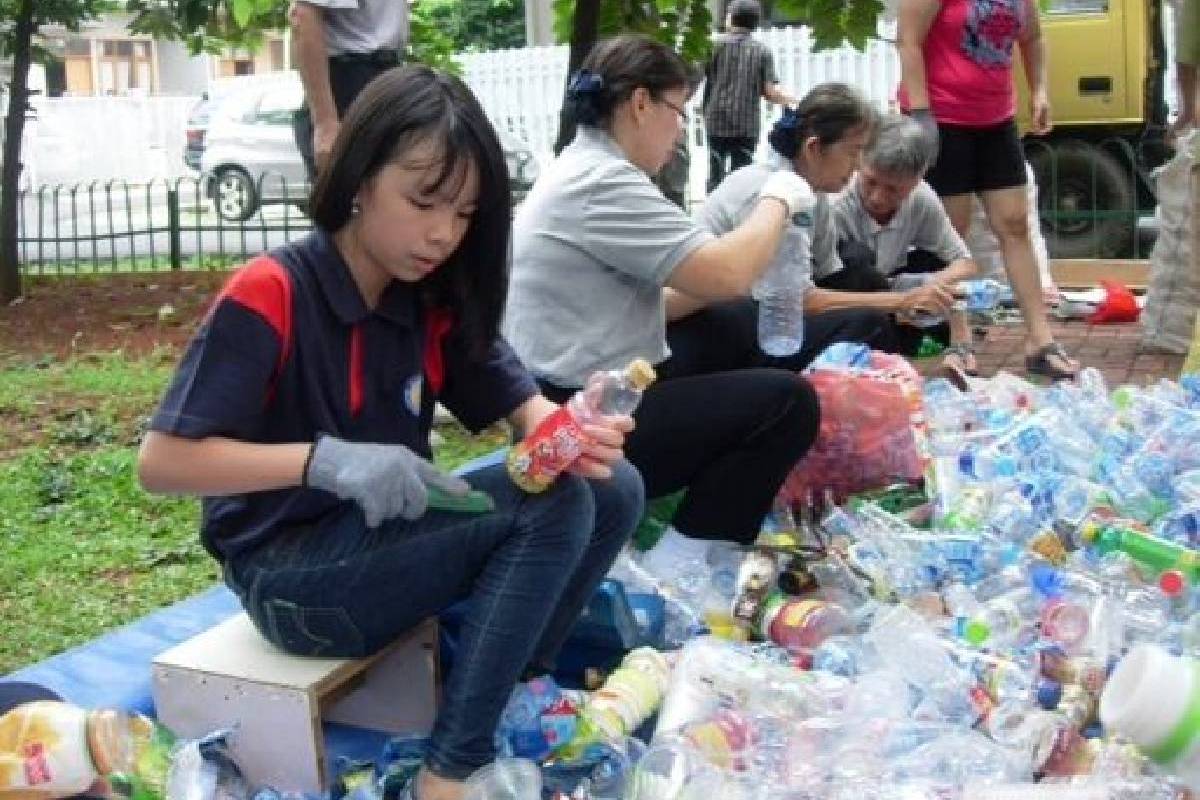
602,261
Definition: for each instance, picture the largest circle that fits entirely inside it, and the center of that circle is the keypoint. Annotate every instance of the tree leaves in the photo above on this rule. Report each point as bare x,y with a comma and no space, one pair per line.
208,25
682,24
475,25
243,11
833,23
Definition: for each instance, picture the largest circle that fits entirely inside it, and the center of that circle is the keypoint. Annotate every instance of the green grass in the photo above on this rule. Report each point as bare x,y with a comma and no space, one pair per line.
85,549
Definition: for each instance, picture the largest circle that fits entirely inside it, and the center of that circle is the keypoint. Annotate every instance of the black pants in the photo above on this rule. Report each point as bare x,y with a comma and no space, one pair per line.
859,274
727,333
720,426
738,151
347,77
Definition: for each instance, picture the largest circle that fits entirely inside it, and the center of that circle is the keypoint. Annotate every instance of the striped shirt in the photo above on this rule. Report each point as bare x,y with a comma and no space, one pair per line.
736,75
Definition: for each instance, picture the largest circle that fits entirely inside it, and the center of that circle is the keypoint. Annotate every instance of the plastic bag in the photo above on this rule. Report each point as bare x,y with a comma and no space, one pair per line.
872,433
1118,305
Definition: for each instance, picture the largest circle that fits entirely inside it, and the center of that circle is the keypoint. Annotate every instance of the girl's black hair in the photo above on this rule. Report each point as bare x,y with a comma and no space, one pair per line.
829,112
616,67
397,111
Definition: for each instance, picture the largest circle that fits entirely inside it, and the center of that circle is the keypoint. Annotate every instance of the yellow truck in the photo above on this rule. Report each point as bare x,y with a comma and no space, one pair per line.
1106,71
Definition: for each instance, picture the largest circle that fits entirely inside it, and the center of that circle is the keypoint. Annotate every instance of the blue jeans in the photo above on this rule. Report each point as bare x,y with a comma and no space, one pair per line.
525,571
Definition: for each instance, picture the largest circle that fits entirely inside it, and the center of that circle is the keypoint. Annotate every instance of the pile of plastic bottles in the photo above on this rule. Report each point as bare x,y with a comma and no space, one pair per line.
1027,627
1032,631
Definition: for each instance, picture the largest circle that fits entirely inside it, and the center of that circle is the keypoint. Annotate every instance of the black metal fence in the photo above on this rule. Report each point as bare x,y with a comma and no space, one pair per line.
183,223
1095,201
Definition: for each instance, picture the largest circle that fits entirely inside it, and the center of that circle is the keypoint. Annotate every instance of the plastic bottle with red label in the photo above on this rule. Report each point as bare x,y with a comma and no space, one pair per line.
801,626
558,441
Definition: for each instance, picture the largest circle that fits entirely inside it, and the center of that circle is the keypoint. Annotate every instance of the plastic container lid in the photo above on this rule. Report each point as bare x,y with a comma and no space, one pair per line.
1147,696
1049,694
640,373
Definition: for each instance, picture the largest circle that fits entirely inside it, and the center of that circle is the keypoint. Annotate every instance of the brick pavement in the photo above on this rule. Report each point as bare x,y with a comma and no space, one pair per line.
1114,349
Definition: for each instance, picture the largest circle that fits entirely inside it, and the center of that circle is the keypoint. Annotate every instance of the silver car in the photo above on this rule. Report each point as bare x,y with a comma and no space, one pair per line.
250,157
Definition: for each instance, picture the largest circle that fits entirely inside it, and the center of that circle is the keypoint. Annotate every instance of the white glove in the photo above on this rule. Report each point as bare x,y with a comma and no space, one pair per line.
794,191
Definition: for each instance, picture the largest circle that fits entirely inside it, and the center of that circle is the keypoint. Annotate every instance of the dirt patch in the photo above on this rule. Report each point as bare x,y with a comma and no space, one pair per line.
60,317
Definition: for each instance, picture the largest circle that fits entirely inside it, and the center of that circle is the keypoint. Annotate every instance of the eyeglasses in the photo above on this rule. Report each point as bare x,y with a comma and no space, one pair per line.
683,115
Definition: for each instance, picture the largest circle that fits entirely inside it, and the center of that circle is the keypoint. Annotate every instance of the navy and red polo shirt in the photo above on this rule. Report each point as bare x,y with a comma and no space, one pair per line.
289,349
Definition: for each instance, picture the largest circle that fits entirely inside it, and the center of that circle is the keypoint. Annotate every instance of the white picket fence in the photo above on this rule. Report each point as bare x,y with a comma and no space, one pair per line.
522,90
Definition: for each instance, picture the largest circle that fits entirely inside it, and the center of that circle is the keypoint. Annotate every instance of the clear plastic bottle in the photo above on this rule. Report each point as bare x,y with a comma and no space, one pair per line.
907,644
629,696
781,291
986,463
558,441
981,294
800,626
59,749
505,779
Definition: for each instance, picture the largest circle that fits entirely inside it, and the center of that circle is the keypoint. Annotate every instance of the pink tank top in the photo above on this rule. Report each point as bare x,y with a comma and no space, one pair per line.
968,61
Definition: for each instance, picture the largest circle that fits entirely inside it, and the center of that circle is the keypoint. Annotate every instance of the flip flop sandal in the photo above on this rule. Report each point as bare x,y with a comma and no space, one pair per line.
959,376
1040,364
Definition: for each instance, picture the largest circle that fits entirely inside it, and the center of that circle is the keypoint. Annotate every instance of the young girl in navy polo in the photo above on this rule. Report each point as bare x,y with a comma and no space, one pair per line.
301,414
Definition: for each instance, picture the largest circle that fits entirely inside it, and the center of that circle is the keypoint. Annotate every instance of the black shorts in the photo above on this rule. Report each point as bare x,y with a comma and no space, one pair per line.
977,159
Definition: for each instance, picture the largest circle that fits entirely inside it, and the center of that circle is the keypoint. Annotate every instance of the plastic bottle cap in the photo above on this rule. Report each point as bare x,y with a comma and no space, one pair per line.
1172,583
976,631
1049,694
640,373
1047,581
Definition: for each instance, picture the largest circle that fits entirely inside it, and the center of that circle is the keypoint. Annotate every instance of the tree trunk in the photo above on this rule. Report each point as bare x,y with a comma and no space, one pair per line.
585,25
10,177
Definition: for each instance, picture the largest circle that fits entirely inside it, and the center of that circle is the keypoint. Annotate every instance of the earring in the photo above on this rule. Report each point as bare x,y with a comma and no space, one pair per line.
355,208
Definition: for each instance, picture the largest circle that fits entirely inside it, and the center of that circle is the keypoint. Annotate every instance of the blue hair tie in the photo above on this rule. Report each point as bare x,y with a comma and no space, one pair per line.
789,120
585,82
583,93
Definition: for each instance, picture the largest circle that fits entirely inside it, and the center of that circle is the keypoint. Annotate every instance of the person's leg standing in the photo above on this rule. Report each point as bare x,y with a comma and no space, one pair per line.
342,590
718,155
347,77
729,439
953,175
1002,177
1187,57
302,132
741,152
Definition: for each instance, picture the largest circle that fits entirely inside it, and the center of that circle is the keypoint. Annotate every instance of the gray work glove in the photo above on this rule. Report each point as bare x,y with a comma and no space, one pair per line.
924,118
386,480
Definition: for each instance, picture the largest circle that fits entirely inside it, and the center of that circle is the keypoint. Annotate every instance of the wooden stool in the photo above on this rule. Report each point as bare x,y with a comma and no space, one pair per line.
229,676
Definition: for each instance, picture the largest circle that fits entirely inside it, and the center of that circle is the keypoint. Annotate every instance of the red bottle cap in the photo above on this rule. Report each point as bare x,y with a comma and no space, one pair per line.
1172,583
